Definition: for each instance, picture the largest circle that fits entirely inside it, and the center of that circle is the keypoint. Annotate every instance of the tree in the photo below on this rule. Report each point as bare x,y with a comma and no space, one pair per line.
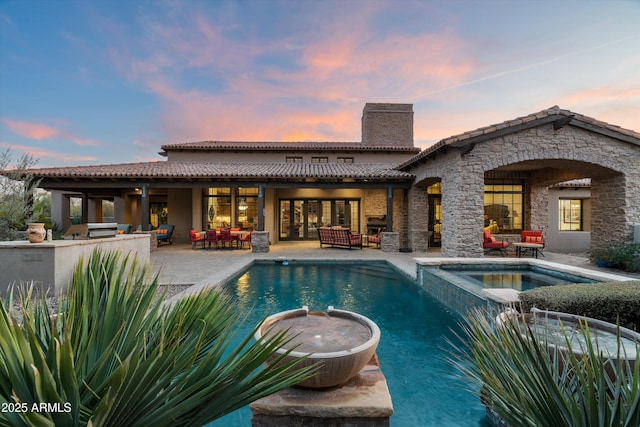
17,188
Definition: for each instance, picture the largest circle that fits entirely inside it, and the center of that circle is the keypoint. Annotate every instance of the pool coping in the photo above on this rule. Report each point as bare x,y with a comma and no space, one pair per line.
563,268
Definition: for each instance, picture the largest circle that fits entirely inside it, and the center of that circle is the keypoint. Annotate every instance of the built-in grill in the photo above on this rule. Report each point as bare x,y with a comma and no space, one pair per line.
375,223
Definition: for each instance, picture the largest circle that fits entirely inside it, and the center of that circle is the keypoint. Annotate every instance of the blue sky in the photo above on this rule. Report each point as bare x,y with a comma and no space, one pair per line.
98,82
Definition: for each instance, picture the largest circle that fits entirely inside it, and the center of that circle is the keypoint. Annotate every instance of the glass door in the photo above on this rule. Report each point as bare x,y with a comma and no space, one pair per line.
300,219
435,220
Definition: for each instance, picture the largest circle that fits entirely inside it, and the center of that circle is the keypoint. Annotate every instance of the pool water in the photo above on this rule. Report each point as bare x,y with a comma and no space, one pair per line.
521,279
424,389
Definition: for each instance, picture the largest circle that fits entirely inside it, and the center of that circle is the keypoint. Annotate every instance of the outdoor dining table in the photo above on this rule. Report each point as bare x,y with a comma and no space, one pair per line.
235,235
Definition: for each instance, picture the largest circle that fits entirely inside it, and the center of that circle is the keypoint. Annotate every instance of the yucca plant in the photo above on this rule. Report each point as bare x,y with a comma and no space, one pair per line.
114,356
528,383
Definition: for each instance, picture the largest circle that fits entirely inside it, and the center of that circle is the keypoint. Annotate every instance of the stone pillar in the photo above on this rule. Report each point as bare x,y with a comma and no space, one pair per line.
608,207
390,241
463,210
418,219
260,242
539,209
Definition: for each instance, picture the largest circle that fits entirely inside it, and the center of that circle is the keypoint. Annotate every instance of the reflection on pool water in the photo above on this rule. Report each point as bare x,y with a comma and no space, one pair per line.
520,278
425,390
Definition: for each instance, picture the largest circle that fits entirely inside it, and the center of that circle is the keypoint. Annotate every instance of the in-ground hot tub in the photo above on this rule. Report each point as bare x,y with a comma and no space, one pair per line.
340,341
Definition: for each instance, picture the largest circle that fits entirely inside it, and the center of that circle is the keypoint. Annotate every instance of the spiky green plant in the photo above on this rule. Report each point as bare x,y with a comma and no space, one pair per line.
527,383
112,356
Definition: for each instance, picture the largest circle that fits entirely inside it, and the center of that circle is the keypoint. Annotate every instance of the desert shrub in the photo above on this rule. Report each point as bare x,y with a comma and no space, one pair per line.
113,356
529,384
623,256
612,302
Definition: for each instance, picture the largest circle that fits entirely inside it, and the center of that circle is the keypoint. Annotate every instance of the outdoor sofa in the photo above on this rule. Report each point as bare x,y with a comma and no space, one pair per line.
341,237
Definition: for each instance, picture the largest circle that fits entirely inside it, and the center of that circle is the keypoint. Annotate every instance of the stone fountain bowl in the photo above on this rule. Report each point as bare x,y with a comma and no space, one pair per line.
340,342
550,328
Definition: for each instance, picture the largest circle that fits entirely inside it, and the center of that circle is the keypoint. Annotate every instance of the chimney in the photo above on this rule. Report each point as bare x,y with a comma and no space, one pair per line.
387,124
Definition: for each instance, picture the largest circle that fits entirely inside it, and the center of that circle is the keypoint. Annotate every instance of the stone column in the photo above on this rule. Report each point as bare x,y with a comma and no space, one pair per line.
260,242
539,208
463,210
418,219
608,207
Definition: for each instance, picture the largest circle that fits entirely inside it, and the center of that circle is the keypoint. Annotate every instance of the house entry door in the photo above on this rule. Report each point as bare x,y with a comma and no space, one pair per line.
301,218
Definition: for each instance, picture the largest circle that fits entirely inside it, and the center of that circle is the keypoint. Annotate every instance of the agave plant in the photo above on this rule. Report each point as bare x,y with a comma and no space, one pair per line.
528,383
112,355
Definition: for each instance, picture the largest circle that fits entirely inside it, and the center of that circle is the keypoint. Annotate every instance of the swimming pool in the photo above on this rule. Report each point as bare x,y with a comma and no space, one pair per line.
424,389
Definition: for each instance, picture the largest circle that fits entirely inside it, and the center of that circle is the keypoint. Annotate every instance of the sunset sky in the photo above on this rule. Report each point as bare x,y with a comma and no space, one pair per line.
97,82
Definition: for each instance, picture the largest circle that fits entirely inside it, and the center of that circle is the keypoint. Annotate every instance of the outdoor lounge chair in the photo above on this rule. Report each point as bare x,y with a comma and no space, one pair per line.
490,243
375,238
164,233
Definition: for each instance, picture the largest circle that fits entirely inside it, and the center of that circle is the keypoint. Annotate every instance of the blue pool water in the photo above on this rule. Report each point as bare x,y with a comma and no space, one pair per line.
521,278
424,389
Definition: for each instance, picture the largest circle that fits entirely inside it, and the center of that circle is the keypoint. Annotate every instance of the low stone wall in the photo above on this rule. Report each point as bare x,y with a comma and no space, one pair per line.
260,242
390,241
50,265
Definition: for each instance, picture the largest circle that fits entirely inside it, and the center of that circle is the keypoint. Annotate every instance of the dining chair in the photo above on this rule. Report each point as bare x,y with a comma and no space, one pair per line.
225,237
212,237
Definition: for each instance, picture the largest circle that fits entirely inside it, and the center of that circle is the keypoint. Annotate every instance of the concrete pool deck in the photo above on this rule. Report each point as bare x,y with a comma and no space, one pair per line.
179,264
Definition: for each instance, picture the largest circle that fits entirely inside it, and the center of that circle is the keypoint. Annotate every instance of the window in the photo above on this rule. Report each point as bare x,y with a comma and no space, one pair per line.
293,159
319,160
345,159
503,205
570,215
247,208
217,207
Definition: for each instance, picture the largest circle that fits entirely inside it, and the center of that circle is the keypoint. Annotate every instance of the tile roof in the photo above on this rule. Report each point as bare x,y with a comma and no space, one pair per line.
278,146
225,170
548,115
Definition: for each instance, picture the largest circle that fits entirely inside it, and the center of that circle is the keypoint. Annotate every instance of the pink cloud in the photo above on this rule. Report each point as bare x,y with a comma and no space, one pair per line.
31,130
39,131
40,154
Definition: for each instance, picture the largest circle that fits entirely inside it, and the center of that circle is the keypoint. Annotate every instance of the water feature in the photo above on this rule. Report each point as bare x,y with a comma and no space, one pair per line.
414,328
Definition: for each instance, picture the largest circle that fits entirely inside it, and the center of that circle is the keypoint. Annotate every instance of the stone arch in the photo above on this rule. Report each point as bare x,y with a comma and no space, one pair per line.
542,149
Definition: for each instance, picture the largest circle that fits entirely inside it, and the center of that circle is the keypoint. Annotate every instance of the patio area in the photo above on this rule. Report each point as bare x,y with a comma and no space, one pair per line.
187,270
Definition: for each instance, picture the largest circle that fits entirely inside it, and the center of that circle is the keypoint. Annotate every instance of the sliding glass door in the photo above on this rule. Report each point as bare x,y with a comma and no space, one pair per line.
300,218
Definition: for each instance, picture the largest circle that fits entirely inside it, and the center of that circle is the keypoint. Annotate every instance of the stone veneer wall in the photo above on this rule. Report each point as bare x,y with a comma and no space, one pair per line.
417,222
375,202
387,124
566,153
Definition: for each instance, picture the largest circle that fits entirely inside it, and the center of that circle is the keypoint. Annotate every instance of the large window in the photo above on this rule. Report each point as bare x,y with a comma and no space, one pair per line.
503,205
217,207
570,215
247,208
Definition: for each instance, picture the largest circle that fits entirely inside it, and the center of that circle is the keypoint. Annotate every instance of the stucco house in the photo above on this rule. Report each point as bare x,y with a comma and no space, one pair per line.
574,177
